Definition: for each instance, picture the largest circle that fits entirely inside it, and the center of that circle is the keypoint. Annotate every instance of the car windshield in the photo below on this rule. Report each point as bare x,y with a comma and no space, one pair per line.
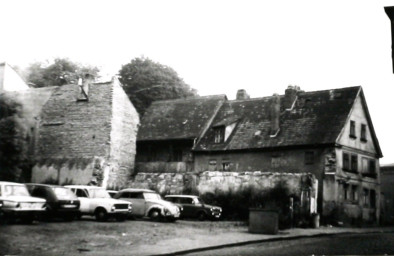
64,193
15,190
198,200
98,193
152,196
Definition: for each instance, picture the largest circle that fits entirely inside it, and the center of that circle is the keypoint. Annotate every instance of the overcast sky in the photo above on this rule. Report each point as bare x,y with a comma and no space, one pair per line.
218,47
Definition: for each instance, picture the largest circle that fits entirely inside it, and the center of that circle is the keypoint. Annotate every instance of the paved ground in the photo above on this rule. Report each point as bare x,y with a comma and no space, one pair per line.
340,244
140,237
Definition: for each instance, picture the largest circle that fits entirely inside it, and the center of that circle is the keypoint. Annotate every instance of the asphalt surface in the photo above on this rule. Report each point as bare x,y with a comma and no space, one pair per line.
340,244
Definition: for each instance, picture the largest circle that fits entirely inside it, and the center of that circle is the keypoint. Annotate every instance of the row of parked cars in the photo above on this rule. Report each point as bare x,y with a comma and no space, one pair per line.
37,201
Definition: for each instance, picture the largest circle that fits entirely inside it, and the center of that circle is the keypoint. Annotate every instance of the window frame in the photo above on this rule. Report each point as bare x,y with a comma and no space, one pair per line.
219,134
352,130
363,135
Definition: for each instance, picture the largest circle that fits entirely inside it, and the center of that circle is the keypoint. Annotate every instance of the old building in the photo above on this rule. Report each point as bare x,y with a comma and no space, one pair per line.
81,133
327,133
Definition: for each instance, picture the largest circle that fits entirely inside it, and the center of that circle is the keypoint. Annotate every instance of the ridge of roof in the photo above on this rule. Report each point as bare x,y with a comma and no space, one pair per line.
206,97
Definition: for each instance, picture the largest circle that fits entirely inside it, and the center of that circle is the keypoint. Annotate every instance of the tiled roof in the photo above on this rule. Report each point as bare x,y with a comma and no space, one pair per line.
178,119
317,118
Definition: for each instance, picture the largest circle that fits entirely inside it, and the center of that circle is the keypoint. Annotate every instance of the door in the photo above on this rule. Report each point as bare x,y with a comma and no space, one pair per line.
189,208
136,198
82,195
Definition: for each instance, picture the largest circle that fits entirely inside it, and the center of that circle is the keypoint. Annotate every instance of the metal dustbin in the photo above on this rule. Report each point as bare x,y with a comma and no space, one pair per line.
315,220
263,221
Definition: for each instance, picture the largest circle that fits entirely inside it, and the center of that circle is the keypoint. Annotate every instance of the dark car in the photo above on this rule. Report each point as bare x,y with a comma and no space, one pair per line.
61,202
194,207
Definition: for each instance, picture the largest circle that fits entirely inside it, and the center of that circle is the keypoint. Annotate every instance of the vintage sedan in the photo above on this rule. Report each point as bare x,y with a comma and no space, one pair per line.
97,202
194,207
61,201
148,203
18,204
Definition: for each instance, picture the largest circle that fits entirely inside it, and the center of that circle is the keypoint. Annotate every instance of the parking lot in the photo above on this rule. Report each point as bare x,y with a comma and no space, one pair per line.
88,236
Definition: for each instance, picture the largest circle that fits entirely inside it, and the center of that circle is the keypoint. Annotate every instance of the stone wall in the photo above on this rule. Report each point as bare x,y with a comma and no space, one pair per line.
124,126
209,182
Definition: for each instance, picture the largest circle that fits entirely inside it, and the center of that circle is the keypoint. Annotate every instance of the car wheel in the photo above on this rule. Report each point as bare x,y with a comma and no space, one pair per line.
101,214
201,216
154,215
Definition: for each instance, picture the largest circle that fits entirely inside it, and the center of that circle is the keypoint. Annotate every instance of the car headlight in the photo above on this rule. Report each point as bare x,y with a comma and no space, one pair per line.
113,208
130,207
212,209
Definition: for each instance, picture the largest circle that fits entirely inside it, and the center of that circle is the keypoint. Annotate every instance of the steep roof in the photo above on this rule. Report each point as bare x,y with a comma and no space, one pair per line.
316,118
178,119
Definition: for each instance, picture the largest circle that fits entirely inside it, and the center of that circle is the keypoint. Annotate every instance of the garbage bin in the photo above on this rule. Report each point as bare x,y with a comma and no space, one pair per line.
263,221
315,220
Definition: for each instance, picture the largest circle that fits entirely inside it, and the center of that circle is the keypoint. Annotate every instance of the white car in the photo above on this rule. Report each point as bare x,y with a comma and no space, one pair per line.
147,203
97,202
18,204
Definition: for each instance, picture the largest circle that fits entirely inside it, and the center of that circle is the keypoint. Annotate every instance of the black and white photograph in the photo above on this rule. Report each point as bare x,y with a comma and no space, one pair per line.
185,127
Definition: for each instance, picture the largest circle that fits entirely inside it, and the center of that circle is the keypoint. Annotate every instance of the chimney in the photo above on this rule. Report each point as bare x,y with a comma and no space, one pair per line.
242,95
390,13
290,97
275,114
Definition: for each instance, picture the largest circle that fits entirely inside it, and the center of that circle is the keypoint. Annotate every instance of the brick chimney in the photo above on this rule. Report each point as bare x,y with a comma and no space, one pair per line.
242,95
274,114
290,96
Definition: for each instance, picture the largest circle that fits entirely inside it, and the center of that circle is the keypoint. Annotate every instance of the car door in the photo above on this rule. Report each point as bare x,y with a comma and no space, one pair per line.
136,198
189,209
84,200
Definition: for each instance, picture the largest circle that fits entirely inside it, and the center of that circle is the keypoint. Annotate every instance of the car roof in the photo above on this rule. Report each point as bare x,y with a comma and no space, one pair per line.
81,186
115,191
10,183
137,190
44,185
184,196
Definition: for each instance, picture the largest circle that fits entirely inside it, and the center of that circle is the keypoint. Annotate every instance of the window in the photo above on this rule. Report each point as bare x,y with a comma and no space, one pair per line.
81,193
309,157
212,165
372,167
363,132
346,191
372,198
354,193
136,195
225,166
365,197
219,134
345,161
352,129
354,163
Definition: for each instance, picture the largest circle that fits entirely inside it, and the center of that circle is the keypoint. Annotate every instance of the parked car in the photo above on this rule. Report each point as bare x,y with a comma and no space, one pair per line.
18,204
112,193
97,202
60,201
148,203
194,207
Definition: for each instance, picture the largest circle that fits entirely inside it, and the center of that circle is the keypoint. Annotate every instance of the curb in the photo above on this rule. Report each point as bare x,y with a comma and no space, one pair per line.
274,239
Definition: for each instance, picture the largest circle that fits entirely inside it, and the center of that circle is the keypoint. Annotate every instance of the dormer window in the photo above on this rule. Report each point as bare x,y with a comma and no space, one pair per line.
219,134
352,133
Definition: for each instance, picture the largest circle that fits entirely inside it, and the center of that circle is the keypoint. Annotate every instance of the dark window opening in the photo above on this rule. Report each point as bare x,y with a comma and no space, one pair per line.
346,192
309,157
365,197
372,198
354,163
352,129
345,161
219,134
354,193
363,132
225,166
176,155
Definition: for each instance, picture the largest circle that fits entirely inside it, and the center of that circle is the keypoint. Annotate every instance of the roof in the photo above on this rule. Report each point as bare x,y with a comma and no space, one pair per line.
182,196
10,183
82,186
137,190
179,118
317,118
